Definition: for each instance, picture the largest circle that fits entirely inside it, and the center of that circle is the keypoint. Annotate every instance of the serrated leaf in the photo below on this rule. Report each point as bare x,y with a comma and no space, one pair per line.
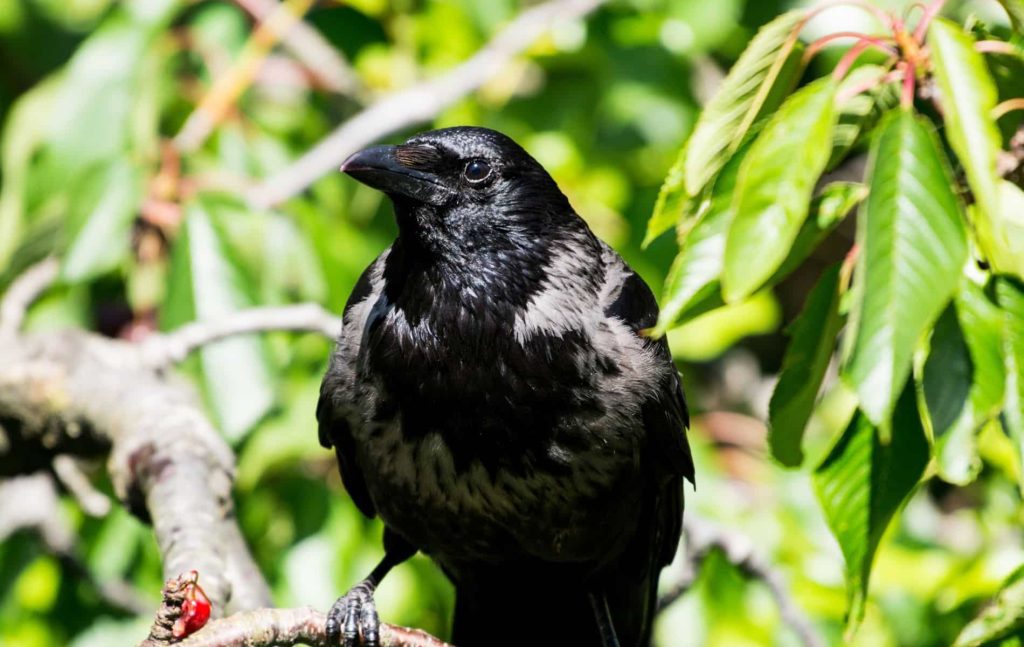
968,95
861,485
691,287
671,202
812,338
206,285
1008,229
1010,294
912,249
774,188
107,202
1003,618
1015,9
740,99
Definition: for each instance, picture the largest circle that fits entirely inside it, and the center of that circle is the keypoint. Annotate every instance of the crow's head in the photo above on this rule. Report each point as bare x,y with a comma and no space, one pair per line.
462,188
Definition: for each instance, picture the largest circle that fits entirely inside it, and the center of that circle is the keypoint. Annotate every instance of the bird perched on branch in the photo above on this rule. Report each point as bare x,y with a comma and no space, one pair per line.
494,399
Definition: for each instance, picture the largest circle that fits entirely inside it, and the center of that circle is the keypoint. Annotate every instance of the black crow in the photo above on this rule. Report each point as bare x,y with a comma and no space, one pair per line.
493,397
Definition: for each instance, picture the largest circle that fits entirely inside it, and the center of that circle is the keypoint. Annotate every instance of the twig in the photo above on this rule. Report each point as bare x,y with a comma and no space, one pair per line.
93,502
230,86
701,537
283,628
325,63
418,103
162,350
23,291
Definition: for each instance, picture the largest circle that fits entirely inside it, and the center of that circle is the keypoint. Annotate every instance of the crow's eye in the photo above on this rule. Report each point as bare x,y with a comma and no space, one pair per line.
477,171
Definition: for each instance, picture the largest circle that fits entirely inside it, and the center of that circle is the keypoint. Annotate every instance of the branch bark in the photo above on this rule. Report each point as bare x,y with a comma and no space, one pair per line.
418,103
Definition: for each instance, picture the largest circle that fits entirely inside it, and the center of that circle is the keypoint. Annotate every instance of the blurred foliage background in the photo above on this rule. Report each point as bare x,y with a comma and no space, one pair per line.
91,91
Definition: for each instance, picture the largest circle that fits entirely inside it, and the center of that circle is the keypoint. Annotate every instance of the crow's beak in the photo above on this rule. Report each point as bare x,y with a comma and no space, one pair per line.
380,168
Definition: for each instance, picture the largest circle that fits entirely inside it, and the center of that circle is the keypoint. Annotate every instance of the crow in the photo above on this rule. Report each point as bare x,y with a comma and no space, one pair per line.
494,398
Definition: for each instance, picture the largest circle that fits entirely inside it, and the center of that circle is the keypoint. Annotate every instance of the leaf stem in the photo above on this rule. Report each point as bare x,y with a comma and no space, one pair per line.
848,59
1007,106
907,98
930,12
996,47
870,84
878,42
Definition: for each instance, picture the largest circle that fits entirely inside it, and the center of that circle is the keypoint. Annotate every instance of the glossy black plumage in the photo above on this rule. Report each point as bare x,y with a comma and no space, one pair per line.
493,398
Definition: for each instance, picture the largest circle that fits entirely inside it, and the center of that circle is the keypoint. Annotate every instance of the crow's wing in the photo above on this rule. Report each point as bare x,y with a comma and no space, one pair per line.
665,415
337,408
631,584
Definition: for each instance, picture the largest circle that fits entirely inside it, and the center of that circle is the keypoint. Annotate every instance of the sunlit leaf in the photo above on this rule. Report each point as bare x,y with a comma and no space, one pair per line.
107,203
1003,618
1010,294
774,188
205,285
1015,9
968,95
692,284
722,125
912,248
863,482
671,202
812,338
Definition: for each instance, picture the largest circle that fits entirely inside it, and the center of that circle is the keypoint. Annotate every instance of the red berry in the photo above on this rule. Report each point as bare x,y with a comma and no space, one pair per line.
195,610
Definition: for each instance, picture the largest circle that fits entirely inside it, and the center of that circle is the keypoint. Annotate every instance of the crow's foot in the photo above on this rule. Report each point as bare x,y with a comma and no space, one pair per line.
353,620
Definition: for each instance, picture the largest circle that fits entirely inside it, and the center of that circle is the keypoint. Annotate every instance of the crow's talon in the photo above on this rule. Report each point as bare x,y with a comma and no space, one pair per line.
353,620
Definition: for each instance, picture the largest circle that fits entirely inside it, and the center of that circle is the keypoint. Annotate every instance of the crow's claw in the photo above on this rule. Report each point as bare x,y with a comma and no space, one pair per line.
352,620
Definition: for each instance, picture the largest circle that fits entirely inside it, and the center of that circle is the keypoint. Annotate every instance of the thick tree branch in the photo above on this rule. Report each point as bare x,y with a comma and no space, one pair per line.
419,103
701,538
266,628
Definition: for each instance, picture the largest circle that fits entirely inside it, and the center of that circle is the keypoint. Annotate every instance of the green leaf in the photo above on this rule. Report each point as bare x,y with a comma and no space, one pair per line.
861,485
107,205
858,114
691,287
1010,294
1003,618
23,133
671,203
968,95
912,249
767,62
1008,229
963,380
812,338
1015,9
774,189
205,285
835,201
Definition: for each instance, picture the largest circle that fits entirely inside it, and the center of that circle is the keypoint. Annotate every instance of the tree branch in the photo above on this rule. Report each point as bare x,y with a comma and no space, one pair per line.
160,351
702,537
267,628
23,291
418,103
325,63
